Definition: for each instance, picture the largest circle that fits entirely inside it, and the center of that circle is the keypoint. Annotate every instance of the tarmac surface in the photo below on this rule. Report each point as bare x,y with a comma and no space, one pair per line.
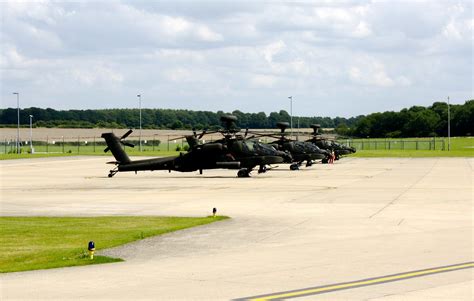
329,232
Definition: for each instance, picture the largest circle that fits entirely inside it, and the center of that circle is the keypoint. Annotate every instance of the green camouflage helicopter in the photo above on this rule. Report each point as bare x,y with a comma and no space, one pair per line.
329,145
300,151
231,152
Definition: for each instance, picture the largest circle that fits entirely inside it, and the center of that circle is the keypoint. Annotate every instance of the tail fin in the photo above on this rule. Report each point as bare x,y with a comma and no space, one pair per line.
114,144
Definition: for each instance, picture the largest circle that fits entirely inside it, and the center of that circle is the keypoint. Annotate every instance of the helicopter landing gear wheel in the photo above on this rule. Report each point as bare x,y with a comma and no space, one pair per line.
325,161
294,166
112,173
262,169
309,164
243,173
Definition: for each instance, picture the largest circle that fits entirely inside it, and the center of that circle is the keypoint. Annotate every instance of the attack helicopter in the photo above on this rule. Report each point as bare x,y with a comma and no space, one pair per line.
300,151
231,152
249,152
329,145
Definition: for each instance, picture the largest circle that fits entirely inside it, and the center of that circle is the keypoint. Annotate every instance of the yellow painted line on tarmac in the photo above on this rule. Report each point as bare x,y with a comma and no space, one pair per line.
359,283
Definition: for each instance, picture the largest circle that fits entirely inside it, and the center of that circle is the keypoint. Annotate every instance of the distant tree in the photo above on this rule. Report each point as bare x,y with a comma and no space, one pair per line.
342,130
463,119
422,123
413,121
363,128
177,124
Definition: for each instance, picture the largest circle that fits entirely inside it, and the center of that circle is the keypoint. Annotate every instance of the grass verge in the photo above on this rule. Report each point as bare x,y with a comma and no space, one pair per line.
32,243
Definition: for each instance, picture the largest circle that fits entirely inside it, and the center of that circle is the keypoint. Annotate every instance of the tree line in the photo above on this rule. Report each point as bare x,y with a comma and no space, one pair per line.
416,121
157,119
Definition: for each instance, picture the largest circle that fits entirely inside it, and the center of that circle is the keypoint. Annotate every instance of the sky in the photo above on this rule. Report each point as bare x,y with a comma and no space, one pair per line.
335,58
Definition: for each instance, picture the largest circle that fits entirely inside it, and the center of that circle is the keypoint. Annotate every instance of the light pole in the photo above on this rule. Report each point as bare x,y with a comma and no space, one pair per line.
18,119
291,115
31,134
140,107
297,133
449,127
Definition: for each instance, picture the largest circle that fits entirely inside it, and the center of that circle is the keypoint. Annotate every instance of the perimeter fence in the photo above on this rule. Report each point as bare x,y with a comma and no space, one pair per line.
434,143
87,145
166,143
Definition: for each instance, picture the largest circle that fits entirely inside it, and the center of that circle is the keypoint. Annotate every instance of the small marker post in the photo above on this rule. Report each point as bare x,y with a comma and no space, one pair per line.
91,248
214,211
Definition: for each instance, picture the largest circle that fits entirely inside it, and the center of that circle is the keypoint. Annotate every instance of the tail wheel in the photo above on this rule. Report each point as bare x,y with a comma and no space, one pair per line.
294,166
112,173
243,173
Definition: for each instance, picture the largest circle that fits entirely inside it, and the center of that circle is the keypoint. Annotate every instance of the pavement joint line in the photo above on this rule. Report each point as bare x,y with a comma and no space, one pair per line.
358,283
402,193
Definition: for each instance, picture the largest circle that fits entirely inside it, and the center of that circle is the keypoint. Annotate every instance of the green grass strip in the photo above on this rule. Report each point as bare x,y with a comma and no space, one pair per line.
32,243
410,153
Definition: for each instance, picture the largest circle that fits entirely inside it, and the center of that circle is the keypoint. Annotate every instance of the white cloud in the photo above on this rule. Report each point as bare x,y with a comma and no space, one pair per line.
225,56
262,80
10,57
175,26
97,75
362,30
179,75
207,34
370,77
273,49
40,11
371,72
452,32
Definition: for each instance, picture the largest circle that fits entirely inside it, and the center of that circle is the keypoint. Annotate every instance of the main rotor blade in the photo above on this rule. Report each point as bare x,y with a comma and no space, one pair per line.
128,144
199,137
176,138
126,134
205,132
255,134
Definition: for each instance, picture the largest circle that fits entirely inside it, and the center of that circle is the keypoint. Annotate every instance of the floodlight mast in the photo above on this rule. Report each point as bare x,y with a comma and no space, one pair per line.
31,134
140,108
18,119
291,115
449,126
298,131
